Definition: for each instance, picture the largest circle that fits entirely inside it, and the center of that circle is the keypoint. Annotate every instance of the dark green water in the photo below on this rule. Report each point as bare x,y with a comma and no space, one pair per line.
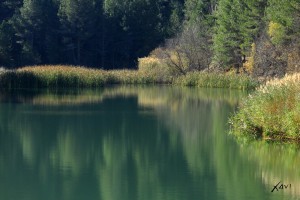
135,143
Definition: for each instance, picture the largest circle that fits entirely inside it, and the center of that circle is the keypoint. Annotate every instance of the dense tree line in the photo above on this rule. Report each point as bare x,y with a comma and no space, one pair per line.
96,33
114,33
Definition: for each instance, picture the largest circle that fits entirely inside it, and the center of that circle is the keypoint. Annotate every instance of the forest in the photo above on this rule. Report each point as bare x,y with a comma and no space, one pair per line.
113,34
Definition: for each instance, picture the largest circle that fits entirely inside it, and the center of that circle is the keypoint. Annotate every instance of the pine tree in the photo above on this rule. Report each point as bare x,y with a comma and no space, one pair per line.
176,18
252,22
30,23
238,23
8,48
78,24
8,8
34,26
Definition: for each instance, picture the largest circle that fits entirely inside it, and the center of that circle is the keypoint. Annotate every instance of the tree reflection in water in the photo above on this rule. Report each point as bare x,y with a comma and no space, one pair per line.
134,143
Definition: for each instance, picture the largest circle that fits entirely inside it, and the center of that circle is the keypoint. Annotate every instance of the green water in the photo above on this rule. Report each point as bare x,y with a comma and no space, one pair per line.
135,143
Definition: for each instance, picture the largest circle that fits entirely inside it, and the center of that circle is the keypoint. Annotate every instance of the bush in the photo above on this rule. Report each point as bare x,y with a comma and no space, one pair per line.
155,68
272,112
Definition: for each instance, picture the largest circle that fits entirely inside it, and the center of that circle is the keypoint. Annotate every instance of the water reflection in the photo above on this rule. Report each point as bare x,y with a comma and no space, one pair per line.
134,143
276,163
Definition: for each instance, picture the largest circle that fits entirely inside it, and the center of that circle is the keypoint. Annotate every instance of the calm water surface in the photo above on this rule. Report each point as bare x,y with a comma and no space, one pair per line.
135,143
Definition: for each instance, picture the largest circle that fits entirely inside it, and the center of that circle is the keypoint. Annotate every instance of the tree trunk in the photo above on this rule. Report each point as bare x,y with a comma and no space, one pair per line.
78,52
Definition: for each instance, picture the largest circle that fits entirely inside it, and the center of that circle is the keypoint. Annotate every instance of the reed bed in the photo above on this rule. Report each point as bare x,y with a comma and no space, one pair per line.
214,80
61,76
272,112
69,77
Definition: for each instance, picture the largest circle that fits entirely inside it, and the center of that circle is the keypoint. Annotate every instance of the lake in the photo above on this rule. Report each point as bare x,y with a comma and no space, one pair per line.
136,143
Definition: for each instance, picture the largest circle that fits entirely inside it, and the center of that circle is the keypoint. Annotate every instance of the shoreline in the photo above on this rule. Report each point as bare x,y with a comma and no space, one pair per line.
265,114
81,77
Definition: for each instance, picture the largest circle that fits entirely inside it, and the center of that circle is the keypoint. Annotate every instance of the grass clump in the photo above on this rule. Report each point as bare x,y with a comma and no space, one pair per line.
203,79
130,77
64,76
272,112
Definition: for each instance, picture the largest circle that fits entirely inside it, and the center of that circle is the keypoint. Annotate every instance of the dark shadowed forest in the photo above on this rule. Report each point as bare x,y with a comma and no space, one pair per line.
112,34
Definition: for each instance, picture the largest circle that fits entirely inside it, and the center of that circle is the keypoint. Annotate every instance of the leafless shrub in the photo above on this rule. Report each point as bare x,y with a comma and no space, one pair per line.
189,50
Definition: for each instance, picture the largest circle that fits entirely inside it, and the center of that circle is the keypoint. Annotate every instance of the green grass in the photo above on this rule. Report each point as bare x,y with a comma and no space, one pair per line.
272,112
80,77
214,80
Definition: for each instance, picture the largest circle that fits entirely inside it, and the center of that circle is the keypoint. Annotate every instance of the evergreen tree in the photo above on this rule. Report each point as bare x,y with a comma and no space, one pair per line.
7,45
29,26
78,25
238,23
176,17
227,37
8,8
196,10
34,26
252,23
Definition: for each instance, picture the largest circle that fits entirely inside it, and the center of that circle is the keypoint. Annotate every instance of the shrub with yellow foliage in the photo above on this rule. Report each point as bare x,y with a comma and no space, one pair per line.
276,32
